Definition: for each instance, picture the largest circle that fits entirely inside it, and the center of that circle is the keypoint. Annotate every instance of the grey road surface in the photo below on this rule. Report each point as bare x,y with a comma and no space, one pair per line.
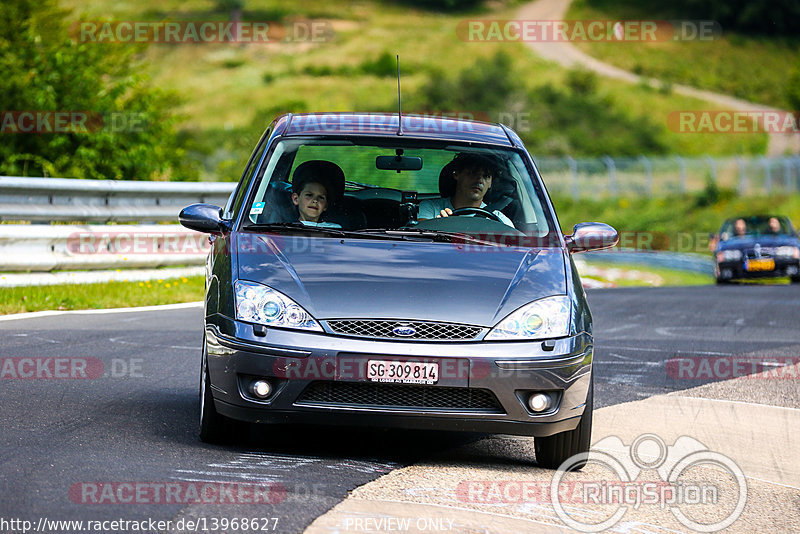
78,448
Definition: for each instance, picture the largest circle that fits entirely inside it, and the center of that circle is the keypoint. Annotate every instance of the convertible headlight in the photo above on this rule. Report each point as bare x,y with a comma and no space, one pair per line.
787,252
256,303
544,318
729,255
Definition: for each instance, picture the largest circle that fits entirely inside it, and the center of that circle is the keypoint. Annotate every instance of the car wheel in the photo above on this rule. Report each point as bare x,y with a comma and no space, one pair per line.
552,451
721,281
795,279
213,426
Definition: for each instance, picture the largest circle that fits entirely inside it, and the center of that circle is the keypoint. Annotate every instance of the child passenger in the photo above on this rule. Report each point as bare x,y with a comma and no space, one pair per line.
312,192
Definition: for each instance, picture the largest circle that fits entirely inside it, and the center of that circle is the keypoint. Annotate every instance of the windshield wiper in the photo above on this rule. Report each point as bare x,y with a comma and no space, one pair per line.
298,226
439,235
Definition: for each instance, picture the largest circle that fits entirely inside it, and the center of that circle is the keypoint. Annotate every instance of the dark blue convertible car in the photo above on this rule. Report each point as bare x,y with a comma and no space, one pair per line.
756,246
372,270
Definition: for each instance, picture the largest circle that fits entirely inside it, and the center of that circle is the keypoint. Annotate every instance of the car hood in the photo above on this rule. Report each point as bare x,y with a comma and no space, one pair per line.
766,241
358,278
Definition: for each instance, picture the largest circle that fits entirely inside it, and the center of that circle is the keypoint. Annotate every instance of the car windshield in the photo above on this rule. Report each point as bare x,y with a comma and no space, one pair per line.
756,226
402,187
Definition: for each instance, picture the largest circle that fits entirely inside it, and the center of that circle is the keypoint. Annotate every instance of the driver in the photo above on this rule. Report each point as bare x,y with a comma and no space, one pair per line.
472,175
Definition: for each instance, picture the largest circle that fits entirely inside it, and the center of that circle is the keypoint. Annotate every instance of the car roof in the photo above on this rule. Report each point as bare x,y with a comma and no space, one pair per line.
386,125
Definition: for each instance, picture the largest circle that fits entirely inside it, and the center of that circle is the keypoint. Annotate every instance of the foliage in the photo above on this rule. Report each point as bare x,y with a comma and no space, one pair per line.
754,66
762,17
130,131
551,121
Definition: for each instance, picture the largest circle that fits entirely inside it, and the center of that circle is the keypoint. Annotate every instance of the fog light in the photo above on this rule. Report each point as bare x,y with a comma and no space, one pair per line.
539,402
261,388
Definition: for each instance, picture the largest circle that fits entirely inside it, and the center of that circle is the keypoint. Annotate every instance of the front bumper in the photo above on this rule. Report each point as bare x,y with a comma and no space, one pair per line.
731,270
298,364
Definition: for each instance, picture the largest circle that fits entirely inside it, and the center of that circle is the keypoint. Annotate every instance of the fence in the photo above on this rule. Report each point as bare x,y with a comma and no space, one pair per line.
66,199
659,176
47,247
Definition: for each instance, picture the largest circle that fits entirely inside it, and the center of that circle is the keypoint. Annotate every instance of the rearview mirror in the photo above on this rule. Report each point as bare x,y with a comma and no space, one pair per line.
398,163
591,236
203,218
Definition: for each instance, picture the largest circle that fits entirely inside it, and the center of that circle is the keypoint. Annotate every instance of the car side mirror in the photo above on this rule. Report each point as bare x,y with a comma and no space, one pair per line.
205,218
591,236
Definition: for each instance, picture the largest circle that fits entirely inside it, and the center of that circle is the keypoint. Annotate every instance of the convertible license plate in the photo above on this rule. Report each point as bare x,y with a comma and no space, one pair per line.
760,265
403,372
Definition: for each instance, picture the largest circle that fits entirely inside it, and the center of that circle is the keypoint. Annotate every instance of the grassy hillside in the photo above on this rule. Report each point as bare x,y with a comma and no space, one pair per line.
755,68
230,92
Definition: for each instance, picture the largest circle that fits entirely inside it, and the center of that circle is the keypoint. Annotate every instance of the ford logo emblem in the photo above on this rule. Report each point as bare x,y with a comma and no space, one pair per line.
404,330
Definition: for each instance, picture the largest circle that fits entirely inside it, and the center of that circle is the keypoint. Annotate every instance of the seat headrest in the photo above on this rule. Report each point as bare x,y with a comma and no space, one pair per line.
326,173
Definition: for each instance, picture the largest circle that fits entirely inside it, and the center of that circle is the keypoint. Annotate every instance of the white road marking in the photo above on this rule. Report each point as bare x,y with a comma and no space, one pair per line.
47,313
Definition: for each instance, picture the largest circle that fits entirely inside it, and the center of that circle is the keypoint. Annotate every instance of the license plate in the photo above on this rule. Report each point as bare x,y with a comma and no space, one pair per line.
760,265
403,372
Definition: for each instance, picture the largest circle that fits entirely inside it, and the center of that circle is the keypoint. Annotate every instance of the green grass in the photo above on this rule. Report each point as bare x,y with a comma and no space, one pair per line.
231,92
752,68
101,295
669,277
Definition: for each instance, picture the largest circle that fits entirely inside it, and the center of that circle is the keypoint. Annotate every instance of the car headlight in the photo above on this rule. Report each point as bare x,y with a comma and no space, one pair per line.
544,318
788,252
729,255
257,303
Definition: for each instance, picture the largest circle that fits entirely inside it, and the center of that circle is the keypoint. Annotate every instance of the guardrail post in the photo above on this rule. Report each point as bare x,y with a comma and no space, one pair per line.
742,176
612,175
787,174
767,175
682,163
797,175
648,169
712,166
573,170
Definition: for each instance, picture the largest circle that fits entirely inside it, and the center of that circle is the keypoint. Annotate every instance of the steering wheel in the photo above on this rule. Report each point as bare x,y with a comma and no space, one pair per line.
477,211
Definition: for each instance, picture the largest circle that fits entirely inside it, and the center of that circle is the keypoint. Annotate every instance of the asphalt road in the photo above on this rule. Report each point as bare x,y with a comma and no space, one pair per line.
133,420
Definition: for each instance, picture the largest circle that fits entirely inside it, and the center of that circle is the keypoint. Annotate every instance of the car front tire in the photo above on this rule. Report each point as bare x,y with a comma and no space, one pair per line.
213,426
553,450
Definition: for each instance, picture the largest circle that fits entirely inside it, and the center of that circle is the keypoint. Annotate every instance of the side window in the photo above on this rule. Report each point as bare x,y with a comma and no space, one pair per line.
236,199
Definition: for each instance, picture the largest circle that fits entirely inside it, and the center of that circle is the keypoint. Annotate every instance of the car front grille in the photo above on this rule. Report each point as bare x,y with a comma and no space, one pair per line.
399,397
414,330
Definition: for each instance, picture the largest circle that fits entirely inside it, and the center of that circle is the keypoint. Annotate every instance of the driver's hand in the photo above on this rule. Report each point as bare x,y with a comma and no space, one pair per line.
445,213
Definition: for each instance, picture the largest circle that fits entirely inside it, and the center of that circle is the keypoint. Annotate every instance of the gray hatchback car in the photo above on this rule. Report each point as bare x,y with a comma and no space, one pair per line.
408,273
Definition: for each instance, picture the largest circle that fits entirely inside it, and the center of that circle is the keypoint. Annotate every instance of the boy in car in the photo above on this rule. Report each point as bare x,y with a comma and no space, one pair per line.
312,191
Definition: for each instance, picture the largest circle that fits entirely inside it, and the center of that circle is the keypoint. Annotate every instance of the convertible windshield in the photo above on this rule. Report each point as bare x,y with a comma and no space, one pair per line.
399,187
756,226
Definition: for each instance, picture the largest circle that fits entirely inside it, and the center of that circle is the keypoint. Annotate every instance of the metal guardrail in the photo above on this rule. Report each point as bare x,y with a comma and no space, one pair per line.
95,201
649,176
40,248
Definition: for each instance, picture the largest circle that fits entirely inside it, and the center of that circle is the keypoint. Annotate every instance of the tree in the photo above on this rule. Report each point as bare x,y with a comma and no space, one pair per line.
128,131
